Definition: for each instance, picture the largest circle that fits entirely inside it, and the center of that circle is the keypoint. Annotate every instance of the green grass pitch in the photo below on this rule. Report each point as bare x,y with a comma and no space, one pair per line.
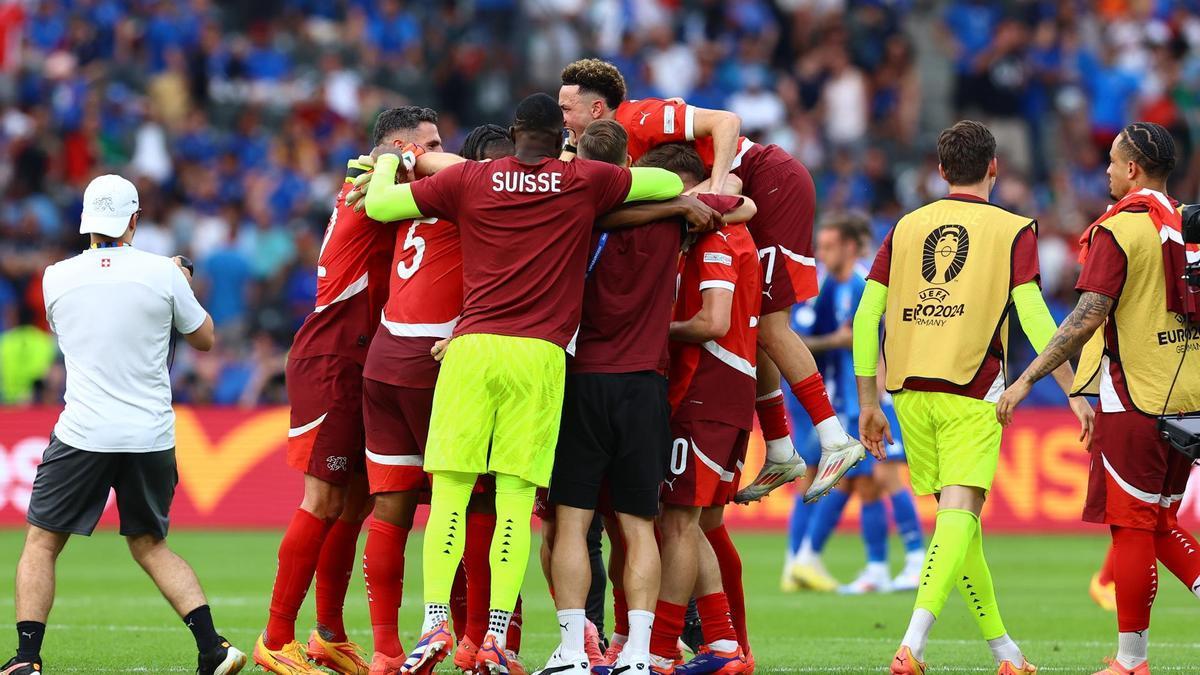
109,618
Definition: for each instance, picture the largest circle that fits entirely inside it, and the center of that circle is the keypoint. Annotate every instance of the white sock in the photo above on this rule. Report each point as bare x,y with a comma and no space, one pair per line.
780,449
641,623
918,632
498,621
723,645
1132,648
1004,649
831,432
435,613
806,555
571,623
1196,587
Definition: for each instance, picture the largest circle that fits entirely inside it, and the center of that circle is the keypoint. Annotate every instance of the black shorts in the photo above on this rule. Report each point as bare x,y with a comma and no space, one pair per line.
615,431
71,489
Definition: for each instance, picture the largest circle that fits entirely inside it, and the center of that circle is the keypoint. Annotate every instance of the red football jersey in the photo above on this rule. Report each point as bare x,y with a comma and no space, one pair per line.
425,297
524,230
352,272
715,380
650,122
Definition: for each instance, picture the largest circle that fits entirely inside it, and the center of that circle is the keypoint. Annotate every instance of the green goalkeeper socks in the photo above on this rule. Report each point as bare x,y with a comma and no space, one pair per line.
445,534
948,549
510,543
974,581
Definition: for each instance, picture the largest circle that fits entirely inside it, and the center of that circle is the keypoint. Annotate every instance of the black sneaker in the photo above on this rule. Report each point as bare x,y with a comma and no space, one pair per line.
224,659
18,667
692,636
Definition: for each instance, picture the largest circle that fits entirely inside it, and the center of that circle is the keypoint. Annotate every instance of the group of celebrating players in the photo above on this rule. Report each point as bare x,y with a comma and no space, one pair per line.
603,316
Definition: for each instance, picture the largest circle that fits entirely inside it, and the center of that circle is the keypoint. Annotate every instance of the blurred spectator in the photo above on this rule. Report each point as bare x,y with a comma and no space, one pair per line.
26,356
237,118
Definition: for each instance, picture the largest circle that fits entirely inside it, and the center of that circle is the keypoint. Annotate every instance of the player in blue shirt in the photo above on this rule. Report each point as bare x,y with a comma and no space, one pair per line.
824,323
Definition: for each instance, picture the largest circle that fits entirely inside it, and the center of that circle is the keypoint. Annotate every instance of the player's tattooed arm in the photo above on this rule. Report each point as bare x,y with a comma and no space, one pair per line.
1088,315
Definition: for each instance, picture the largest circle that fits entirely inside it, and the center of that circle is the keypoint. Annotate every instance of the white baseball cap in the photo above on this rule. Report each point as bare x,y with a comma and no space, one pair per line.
108,202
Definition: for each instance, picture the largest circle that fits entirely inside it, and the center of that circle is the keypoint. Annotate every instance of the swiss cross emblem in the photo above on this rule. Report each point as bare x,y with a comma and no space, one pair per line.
106,262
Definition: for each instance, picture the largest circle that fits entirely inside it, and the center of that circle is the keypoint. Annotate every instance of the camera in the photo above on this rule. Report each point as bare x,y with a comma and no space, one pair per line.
1191,224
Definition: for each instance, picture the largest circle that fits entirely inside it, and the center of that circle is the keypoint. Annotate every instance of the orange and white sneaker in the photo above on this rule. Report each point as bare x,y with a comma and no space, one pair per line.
344,658
904,663
591,645
382,664
750,663
491,659
1007,668
613,651
1115,668
515,667
433,648
1105,595
290,659
464,656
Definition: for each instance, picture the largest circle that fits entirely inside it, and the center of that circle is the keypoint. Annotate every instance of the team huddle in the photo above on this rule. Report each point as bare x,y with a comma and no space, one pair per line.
589,325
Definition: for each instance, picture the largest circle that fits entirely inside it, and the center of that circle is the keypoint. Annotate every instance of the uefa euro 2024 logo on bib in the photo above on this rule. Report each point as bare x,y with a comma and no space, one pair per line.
944,254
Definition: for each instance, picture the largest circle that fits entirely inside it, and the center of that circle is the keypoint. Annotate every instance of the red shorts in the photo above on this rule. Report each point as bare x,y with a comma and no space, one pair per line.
783,231
397,424
1136,479
326,435
706,463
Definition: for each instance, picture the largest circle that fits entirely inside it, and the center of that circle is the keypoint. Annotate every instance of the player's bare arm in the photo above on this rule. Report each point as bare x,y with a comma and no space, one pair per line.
699,216
733,186
711,322
724,128
842,338
1089,314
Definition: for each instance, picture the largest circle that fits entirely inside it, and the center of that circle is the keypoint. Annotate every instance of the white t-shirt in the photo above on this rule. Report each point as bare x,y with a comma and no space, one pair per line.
112,310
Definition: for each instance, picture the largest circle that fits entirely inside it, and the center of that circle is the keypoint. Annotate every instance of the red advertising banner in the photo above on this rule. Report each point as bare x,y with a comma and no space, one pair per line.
232,473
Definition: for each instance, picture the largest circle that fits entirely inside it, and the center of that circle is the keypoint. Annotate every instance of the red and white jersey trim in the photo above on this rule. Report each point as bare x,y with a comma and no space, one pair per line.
730,359
359,285
1110,401
437,330
300,431
726,476
802,259
743,148
689,121
395,460
717,283
1164,501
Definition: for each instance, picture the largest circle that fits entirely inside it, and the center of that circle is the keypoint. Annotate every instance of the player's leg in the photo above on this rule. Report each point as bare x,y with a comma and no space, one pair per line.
461,426
908,524
640,584
34,591
782,464
1101,588
729,564
571,570
809,570
396,421
69,494
875,578
145,487
1175,547
680,529
481,526
528,377
336,562
324,442
799,558
616,577
597,592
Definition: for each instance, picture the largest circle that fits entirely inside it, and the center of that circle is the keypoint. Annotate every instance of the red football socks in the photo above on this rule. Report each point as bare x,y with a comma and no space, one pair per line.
1106,570
772,416
1180,553
620,613
715,621
1135,570
334,567
731,581
298,554
668,626
383,571
480,527
811,394
458,603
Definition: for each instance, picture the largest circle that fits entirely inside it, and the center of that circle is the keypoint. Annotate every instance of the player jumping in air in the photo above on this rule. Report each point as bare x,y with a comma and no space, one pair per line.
524,224
783,191
325,387
1141,357
947,275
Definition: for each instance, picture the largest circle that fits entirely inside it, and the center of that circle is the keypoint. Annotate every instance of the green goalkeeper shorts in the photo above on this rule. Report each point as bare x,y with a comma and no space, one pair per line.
497,407
948,440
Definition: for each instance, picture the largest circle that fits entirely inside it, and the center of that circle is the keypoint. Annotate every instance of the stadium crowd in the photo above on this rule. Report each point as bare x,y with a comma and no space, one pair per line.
236,120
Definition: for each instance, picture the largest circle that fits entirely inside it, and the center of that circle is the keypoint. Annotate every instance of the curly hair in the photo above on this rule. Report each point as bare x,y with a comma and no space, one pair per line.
488,140
598,77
